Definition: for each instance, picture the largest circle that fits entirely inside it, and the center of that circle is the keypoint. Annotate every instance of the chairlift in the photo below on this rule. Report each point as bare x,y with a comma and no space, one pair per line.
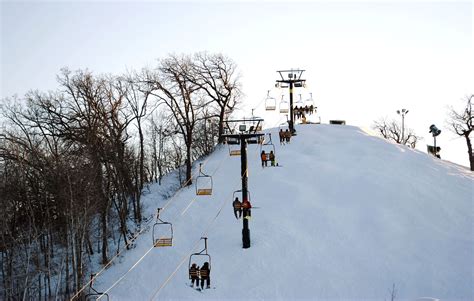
234,146
284,105
95,295
298,85
240,190
162,232
253,140
299,103
270,102
310,101
200,258
203,183
252,130
267,146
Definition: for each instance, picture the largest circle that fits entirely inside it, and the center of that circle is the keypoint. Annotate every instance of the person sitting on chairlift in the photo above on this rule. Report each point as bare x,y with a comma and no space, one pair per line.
205,275
194,273
287,136
272,158
237,208
263,156
281,134
246,206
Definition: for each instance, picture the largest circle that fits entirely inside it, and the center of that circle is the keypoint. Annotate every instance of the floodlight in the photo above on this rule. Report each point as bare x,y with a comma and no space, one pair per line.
434,130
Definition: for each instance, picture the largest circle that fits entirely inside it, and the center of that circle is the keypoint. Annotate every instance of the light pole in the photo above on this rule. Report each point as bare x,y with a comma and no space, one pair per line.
435,132
403,112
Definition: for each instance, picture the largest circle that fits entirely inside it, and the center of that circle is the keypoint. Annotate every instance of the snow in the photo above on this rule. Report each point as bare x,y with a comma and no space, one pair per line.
345,217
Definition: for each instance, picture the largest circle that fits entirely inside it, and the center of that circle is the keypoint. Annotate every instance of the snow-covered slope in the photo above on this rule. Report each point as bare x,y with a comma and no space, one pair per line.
346,216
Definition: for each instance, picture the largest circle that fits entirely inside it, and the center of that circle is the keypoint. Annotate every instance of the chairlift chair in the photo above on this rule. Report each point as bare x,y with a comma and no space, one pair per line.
242,200
309,102
200,257
253,140
267,146
162,232
299,103
284,105
298,85
234,146
240,190
203,183
270,102
95,295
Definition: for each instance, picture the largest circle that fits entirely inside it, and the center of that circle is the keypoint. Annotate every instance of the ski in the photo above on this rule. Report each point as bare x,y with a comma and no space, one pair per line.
198,288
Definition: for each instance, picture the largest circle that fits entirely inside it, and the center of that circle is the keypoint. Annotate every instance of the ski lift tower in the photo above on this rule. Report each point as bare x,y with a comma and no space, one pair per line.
246,135
291,79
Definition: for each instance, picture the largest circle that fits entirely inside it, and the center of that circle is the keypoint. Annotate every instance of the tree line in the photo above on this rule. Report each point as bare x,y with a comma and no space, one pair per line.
459,121
75,161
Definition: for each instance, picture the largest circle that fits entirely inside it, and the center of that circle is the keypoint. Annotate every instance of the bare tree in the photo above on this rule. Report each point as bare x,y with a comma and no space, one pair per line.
138,101
460,122
70,175
160,132
391,130
393,292
171,85
217,75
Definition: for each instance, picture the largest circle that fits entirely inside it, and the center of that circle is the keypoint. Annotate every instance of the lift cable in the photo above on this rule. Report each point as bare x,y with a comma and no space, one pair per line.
132,240
185,257
148,251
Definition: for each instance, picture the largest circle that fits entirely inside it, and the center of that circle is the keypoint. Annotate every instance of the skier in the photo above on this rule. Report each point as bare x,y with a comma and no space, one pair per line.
237,208
205,275
194,274
263,156
272,158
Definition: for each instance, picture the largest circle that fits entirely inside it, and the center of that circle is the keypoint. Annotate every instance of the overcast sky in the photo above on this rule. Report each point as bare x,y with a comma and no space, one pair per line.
363,60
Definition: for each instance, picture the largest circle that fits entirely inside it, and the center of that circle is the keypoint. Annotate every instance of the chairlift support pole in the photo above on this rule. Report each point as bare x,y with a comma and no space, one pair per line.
244,175
294,76
243,136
